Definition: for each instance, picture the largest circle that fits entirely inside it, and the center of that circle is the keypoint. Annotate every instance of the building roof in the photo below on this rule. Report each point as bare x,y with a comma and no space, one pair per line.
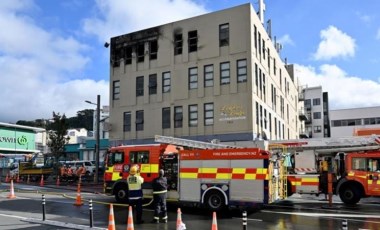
37,130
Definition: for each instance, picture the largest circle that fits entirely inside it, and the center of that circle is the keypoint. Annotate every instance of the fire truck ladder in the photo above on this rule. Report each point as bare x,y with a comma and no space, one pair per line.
191,143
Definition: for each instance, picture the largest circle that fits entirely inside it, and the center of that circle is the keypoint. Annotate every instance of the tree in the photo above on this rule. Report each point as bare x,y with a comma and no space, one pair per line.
57,139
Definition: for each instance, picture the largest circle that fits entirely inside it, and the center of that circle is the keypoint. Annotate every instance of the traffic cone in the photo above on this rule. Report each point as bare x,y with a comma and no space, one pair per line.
58,182
7,178
214,224
111,219
180,224
42,181
12,191
130,219
78,201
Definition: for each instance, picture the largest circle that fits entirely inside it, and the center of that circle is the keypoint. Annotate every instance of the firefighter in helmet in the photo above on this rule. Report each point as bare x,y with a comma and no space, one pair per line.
135,193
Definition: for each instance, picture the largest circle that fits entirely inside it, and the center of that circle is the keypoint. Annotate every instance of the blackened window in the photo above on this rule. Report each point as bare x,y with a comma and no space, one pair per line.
166,82
242,70
193,78
140,86
127,122
152,84
193,115
166,118
224,35
209,75
178,43
209,114
153,48
139,120
178,116
128,55
224,73
140,52
193,41
116,90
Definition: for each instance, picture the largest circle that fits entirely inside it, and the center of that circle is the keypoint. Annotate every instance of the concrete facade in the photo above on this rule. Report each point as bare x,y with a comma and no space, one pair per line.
215,76
347,122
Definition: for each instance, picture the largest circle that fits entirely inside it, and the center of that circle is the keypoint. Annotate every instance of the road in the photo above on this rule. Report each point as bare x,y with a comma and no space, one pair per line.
298,212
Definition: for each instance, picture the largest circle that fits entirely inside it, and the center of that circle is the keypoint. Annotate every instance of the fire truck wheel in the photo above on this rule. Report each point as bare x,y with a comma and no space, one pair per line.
349,195
215,201
121,194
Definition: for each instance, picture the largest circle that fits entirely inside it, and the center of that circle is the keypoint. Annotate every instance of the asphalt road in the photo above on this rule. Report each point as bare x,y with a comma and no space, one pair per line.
298,212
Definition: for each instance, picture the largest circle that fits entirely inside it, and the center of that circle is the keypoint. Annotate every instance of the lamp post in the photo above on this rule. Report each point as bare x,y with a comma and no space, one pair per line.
97,138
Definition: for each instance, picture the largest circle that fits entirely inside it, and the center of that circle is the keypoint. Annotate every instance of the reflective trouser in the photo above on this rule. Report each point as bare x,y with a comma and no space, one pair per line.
138,207
160,206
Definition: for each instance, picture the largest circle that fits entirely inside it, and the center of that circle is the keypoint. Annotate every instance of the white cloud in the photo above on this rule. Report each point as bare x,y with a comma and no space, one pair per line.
120,17
285,39
343,89
335,44
364,17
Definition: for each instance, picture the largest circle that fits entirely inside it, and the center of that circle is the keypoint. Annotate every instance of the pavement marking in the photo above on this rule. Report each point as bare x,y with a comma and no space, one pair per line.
257,220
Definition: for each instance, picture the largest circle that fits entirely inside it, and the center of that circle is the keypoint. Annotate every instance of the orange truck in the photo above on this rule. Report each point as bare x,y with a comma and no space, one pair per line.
212,178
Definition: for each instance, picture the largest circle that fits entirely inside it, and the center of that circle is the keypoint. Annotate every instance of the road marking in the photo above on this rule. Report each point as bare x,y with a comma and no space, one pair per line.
13,216
325,214
257,220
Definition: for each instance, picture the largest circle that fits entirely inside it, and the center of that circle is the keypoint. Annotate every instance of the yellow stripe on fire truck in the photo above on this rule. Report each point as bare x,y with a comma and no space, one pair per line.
144,168
225,173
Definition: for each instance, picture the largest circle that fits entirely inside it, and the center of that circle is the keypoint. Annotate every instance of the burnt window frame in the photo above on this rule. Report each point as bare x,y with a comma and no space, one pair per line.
153,49
128,55
178,43
192,41
224,34
140,52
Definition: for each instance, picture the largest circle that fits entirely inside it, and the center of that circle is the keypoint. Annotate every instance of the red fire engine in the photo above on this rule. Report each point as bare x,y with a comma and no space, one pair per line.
211,175
354,163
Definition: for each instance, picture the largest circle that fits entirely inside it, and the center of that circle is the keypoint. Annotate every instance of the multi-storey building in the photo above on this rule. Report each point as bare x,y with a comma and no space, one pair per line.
316,113
214,76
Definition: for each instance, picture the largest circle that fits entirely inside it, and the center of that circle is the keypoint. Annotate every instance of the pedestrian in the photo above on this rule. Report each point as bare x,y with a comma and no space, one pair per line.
160,185
135,193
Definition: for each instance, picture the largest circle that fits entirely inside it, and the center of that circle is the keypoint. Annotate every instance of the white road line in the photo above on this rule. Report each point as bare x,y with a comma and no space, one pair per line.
326,214
13,216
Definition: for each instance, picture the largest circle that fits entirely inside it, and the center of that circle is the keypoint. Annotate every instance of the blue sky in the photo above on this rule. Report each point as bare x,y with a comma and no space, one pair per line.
52,56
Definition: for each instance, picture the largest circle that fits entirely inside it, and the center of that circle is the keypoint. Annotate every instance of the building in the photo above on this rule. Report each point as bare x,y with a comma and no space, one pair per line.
76,134
316,112
217,76
18,141
355,121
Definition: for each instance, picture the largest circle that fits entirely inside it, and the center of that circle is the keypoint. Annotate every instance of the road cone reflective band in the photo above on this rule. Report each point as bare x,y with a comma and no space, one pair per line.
78,201
180,224
58,182
214,224
130,219
111,219
6,178
42,180
11,191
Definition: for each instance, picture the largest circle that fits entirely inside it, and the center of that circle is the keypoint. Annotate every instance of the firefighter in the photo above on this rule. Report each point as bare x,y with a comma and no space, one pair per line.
324,177
135,193
81,171
63,170
160,185
69,173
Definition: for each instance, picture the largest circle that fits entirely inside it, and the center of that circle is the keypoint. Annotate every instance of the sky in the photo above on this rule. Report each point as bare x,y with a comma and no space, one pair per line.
52,54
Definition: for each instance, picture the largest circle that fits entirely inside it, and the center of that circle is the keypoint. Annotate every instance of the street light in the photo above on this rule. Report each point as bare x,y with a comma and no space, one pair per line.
97,140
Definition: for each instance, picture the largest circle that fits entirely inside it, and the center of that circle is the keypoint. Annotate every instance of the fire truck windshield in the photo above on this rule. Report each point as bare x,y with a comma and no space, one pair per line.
115,158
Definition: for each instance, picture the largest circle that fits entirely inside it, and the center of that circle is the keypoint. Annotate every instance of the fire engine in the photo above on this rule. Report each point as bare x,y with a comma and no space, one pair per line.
354,163
204,174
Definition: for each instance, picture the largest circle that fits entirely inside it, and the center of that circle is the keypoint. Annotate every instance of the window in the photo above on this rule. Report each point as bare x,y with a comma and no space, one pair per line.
178,42
193,78
166,82
359,164
224,73
116,90
224,35
317,115
139,157
152,84
166,118
242,70
255,35
209,113
127,122
193,115
139,86
317,129
178,116
307,104
209,75
274,66
140,120
140,52
264,50
372,121
128,55
153,48
316,101
193,41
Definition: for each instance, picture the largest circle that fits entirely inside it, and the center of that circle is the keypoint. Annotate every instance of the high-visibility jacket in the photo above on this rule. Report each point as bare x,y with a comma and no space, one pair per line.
134,186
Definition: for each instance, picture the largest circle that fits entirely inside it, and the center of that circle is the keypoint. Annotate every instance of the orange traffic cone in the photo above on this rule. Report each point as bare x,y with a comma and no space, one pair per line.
78,201
214,224
28,179
180,224
58,182
12,191
111,219
42,181
6,178
130,219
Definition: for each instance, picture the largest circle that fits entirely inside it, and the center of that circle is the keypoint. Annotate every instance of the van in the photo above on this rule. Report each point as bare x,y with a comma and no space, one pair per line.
90,167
